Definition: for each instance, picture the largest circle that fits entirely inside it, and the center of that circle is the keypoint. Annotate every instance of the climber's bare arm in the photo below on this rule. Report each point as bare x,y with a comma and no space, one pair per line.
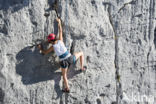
46,51
60,29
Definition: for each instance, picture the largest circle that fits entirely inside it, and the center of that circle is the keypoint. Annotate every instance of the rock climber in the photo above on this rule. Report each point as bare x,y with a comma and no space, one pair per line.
65,57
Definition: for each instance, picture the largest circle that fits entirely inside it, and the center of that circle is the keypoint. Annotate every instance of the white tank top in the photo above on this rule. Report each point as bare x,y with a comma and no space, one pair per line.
60,49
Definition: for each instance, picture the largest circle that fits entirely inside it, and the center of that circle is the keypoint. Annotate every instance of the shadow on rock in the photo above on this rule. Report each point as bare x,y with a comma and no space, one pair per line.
73,72
34,67
14,5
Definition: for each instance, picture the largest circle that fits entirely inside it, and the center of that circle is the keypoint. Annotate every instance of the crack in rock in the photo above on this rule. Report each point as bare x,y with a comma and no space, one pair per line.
110,20
125,4
155,38
117,76
148,57
151,17
72,48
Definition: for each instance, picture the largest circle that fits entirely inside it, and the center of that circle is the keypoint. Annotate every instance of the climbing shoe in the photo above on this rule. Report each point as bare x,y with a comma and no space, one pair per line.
84,68
66,90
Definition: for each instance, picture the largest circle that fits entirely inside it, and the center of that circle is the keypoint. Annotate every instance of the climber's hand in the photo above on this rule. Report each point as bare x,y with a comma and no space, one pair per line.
58,20
39,46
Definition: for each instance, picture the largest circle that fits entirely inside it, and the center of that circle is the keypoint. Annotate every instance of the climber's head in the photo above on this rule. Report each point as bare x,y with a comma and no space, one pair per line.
51,38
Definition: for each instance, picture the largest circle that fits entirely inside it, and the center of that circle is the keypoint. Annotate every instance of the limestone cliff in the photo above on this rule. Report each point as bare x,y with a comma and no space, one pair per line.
118,38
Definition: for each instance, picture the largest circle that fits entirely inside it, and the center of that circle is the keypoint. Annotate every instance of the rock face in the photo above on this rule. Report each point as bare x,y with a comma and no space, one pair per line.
118,39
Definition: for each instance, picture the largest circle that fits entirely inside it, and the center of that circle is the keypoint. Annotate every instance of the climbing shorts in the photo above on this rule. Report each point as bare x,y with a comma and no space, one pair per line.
67,62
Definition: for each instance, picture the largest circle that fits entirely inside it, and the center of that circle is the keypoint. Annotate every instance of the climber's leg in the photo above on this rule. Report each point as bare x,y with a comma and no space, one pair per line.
81,56
64,74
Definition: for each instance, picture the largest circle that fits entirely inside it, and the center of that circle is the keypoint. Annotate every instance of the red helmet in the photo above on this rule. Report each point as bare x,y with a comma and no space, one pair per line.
51,37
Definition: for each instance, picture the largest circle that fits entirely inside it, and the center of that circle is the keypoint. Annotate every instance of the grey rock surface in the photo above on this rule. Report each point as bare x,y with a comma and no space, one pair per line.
118,39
